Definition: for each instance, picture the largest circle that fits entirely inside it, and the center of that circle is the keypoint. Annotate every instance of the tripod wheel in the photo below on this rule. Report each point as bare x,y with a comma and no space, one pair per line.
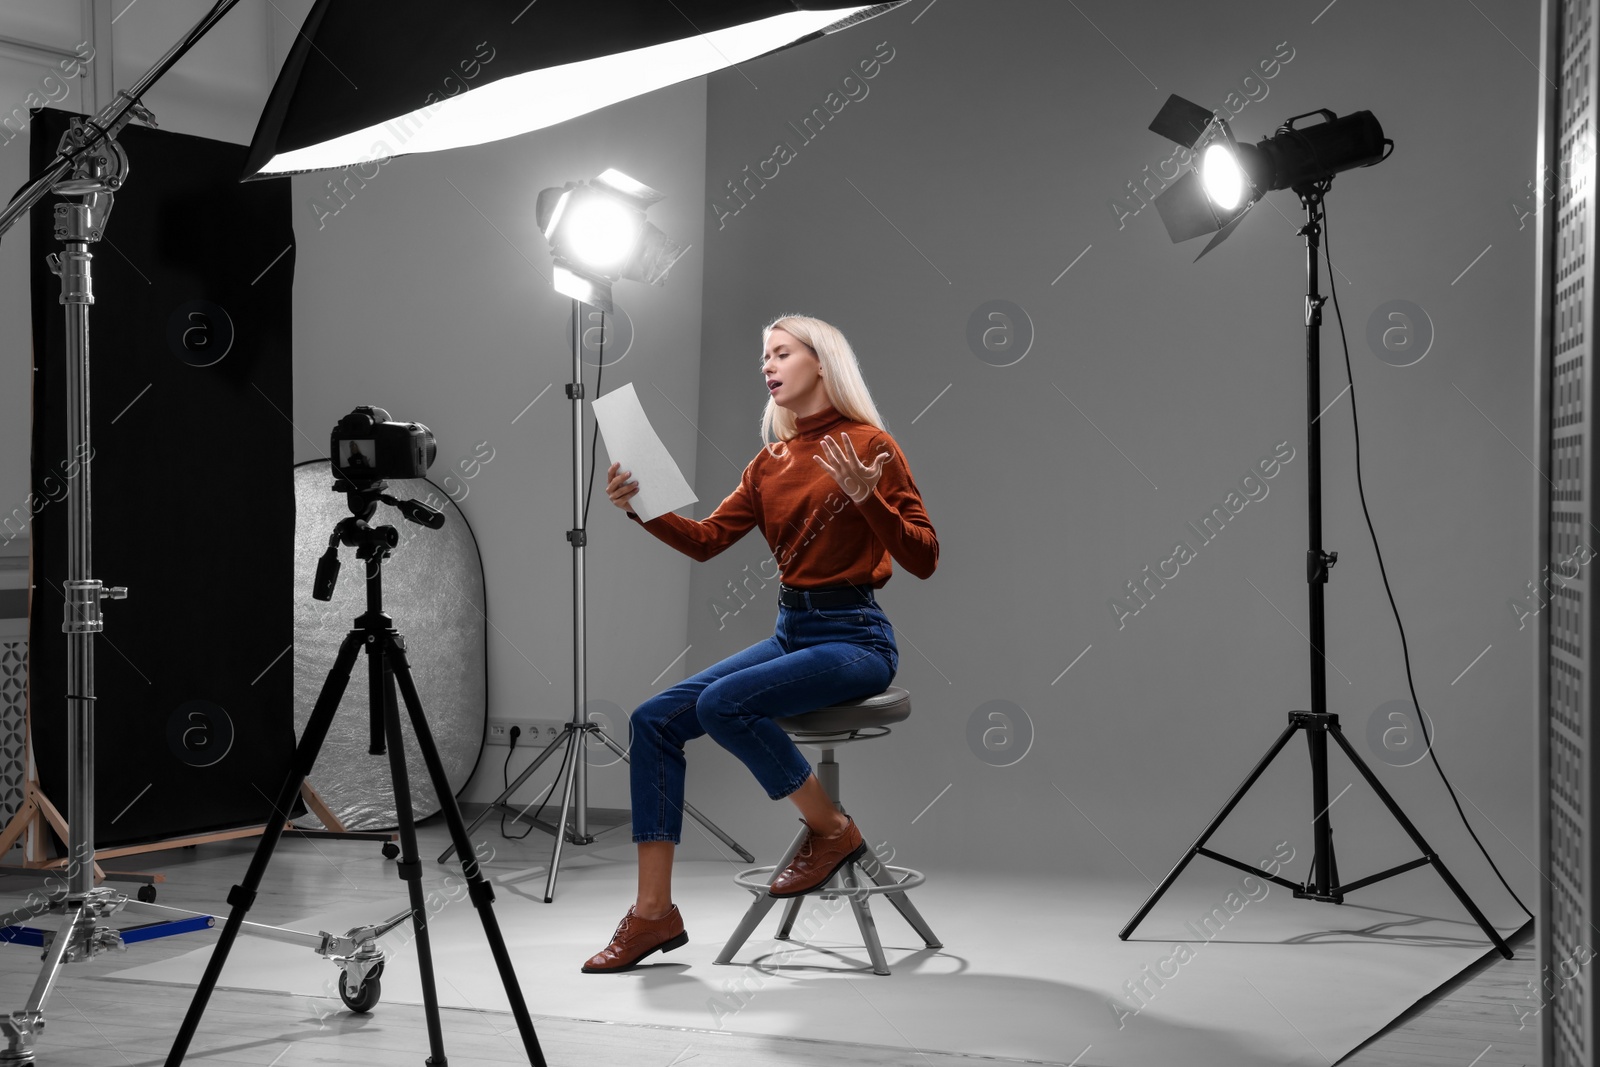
147,893
390,850
366,997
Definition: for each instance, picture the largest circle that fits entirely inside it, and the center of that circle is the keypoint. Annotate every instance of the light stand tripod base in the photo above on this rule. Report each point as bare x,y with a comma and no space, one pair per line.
569,737
1318,728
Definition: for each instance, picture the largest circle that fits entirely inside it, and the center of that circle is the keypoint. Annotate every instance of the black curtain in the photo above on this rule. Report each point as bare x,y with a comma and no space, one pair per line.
193,491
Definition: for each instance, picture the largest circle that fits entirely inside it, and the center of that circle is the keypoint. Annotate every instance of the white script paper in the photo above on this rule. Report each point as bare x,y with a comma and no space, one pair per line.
632,442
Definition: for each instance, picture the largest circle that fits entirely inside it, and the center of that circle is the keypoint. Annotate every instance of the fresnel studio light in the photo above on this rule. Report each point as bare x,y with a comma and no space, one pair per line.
598,235
1226,180
1230,177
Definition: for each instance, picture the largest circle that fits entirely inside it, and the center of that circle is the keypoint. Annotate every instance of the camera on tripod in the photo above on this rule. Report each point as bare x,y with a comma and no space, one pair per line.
368,446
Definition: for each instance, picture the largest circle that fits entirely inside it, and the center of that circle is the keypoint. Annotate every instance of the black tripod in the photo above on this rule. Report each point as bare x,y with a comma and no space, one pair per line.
1322,883
386,666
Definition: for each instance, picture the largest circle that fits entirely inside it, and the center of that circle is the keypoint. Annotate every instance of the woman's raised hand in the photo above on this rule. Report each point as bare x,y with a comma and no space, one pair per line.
857,479
619,489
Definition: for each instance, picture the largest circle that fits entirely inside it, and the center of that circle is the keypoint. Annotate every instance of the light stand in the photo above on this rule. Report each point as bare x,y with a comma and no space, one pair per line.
90,167
575,733
1322,883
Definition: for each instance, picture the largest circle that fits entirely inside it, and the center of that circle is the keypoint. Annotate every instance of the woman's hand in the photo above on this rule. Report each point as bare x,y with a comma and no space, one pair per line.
857,479
619,489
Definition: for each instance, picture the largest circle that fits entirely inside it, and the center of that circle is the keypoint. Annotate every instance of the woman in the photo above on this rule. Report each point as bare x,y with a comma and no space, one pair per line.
833,522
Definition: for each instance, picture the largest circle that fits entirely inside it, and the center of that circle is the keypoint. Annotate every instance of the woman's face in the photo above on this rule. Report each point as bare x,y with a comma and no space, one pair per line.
797,371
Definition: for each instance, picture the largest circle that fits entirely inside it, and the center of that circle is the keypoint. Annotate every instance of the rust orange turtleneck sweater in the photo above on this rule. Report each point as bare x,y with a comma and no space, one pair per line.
818,536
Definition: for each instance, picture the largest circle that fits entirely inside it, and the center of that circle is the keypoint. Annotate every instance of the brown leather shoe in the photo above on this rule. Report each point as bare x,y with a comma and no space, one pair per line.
818,860
636,938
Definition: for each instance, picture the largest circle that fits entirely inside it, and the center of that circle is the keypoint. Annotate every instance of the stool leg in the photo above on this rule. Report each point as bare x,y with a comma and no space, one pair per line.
869,930
759,907
789,914
752,918
793,849
901,901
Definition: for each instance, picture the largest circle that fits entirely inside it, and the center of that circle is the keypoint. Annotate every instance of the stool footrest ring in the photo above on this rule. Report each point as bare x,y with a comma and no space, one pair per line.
829,739
759,880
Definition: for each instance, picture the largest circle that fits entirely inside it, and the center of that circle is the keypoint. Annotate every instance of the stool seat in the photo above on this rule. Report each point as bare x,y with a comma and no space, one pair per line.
890,706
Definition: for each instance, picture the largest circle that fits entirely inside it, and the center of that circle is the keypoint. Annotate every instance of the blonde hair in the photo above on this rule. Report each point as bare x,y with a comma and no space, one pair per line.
841,377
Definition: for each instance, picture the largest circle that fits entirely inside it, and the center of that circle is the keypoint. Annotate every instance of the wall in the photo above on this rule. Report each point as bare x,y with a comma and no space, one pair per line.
979,167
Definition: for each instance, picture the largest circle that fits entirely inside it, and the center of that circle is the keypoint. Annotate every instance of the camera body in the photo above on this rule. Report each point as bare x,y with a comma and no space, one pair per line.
368,446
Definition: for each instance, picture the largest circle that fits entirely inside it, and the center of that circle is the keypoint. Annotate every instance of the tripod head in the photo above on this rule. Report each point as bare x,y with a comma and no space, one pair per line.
372,543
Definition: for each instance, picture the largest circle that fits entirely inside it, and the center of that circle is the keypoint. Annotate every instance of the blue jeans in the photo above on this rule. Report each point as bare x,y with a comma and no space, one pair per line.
815,657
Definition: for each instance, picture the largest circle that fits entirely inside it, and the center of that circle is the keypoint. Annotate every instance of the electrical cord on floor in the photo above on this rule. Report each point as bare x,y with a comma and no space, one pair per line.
505,778
1405,652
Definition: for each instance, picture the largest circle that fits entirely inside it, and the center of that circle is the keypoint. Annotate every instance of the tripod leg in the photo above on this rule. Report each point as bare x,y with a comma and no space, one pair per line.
478,888
410,866
569,767
1205,835
242,896
502,798
1400,816
688,808
1322,877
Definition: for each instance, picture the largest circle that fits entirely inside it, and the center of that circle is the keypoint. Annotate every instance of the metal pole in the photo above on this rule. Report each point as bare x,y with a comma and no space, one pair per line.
1316,561
1316,573
580,660
81,618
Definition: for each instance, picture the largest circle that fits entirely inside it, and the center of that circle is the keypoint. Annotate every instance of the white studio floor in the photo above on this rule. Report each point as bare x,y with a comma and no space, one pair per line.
1031,968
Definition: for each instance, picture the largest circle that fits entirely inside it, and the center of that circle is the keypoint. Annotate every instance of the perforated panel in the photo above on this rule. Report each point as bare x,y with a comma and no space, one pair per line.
13,702
13,675
1567,764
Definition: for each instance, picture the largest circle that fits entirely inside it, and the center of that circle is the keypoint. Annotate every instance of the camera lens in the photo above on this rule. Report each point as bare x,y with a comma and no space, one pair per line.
430,447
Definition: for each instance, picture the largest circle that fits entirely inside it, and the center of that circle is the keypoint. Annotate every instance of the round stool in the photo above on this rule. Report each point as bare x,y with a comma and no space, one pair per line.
827,728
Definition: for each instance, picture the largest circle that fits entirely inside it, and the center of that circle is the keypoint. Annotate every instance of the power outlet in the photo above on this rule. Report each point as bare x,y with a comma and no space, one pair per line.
536,733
